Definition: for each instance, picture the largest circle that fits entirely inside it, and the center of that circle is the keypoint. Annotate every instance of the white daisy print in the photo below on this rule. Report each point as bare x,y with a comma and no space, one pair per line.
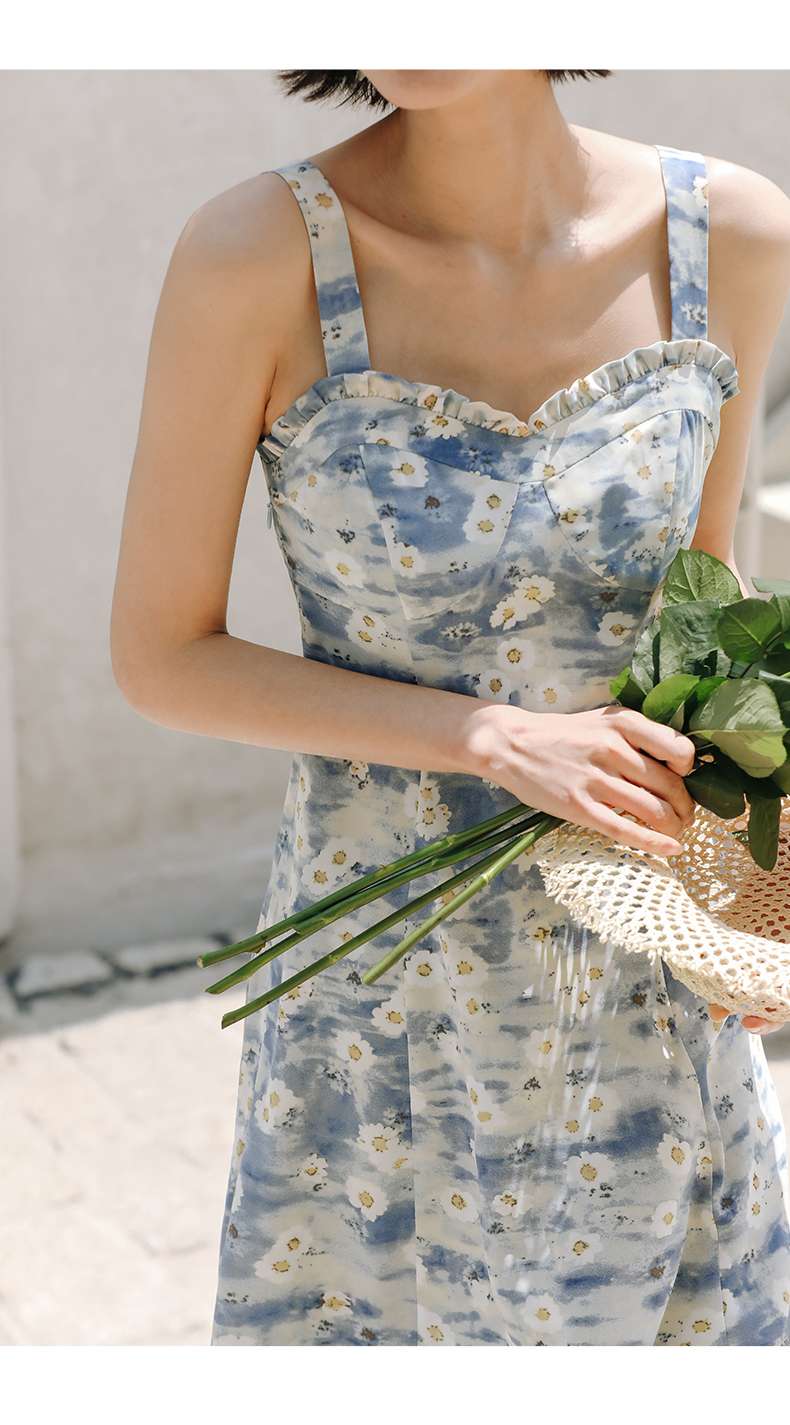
458,1200
367,628
410,471
493,683
615,628
432,1329
508,612
359,771
408,560
336,1303
312,1172
542,1046
466,970
488,517
510,1203
345,569
381,1144
367,1196
543,1313
485,1109
332,865
549,695
433,815
665,1218
353,1051
704,1162
419,967
390,1017
284,1257
699,190
294,1000
590,1169
528,595
674,1154
276,1106
582,1246
600,1101
514,655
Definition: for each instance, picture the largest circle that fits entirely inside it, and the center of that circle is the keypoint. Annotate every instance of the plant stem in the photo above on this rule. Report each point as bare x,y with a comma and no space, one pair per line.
374,892
378,876
497,864
341,951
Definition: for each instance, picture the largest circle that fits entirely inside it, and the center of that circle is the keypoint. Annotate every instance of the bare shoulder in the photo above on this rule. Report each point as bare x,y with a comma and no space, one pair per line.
749,222
246,246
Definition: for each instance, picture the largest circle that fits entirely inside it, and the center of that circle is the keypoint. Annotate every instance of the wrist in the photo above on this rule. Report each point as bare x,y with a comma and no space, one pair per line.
486,742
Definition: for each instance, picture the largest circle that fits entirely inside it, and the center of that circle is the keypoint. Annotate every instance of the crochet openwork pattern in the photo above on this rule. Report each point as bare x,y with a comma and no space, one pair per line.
720,922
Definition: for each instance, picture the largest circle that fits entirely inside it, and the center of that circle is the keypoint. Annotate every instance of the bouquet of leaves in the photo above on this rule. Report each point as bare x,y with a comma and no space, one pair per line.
708,662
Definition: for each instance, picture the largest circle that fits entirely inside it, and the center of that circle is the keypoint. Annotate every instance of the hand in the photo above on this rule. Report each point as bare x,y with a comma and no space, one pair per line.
587,768
752,1022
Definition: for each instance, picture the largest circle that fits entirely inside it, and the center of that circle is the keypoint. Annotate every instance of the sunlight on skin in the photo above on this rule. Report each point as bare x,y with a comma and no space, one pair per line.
752,1022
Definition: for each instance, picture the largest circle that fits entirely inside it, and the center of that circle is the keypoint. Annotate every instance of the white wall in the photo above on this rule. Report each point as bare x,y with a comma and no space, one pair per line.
127,830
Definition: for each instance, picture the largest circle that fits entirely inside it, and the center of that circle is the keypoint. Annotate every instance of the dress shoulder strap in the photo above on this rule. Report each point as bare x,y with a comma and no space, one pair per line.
685,179
339,303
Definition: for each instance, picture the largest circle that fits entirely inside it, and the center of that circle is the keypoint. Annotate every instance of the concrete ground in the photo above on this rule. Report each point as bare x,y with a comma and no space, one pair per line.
117,1125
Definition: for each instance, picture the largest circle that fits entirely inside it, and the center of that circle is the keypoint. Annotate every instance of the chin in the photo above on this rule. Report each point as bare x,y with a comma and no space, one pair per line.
425,88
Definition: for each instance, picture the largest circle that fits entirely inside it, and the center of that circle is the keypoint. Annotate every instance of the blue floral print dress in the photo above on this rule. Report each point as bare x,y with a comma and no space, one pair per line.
518,1136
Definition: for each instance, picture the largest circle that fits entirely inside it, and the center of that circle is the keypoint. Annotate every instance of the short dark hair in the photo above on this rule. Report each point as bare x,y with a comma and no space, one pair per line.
350,86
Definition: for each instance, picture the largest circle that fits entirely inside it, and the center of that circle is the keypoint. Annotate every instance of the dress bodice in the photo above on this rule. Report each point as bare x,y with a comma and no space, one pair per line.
431,537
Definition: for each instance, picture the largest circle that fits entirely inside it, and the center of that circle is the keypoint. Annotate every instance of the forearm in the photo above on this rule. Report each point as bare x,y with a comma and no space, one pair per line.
226,687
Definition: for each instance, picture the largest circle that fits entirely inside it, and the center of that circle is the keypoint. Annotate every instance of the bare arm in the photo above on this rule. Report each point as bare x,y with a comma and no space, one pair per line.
750,222
227,303
749,284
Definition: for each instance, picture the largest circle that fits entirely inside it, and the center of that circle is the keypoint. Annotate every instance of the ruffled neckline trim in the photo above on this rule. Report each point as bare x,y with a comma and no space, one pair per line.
443,402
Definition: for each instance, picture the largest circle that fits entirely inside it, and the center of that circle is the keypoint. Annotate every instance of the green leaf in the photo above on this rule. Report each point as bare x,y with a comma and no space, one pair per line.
702,691
750,786
689,639
764,831
712,788
663,701
694,574
777,662
742,717
780,687
772,586
746,629
626,690
781,776
644,663
781,602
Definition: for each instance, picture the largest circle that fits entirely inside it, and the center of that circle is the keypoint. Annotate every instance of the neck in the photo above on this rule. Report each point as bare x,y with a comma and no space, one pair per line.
500,163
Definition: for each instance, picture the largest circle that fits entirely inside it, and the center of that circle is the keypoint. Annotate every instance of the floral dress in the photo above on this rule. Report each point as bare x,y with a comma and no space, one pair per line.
518,1136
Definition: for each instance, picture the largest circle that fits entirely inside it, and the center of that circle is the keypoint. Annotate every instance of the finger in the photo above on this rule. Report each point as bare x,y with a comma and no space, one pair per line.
718,1012
662,742
598,817
627,796
657,777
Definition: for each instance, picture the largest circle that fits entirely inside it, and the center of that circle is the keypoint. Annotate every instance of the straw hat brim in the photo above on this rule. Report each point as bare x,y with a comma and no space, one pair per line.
720,922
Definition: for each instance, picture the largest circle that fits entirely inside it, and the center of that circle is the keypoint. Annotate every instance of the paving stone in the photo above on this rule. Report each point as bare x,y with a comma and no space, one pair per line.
76,1280
156,955
49,974
9,1336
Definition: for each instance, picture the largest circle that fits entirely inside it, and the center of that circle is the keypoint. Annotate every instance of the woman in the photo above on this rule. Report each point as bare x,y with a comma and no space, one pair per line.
518,1136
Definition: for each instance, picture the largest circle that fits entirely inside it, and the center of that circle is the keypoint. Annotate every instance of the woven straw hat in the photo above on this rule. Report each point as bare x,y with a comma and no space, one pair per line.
720,922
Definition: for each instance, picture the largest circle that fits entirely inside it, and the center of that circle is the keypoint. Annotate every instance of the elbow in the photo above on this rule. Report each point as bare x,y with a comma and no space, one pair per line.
139,675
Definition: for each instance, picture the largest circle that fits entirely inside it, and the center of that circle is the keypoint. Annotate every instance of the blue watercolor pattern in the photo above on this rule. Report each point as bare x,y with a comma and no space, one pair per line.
519,1136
